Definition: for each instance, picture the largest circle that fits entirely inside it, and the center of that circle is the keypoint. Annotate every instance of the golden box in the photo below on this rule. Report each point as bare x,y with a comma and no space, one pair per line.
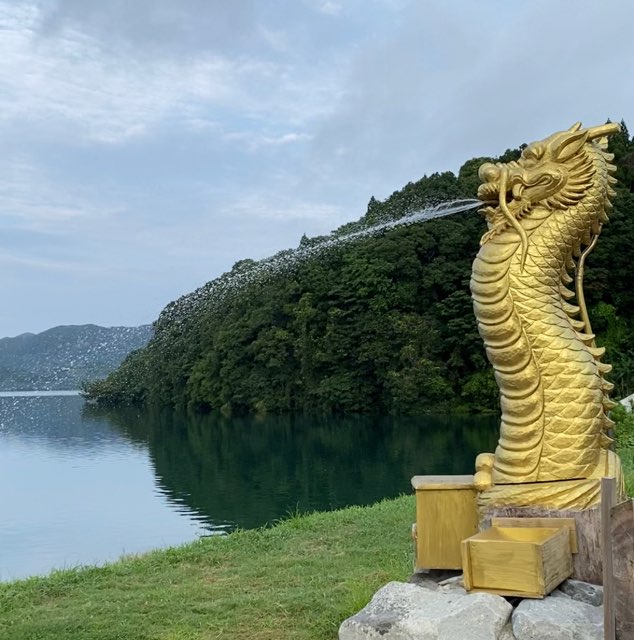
446,514
528,562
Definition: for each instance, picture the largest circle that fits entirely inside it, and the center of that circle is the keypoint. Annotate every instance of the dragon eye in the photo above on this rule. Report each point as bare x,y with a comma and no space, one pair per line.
533,153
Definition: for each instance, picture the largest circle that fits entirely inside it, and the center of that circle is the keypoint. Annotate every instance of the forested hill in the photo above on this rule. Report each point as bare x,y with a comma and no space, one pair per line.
383,324
63,357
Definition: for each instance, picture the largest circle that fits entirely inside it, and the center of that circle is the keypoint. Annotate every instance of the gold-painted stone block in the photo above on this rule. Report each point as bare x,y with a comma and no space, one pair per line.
446,514
526,562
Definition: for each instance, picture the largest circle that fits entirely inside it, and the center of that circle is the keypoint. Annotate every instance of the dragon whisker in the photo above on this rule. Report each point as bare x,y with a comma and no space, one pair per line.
513,221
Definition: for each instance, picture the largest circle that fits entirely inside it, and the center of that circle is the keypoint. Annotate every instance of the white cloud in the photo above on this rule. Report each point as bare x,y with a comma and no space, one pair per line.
454,80
254,141
330,8
282,207
105,97
31,200
73,81
158,28
277,39
37,263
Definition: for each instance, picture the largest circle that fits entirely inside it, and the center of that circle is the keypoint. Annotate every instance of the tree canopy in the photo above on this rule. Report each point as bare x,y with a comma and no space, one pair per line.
383,324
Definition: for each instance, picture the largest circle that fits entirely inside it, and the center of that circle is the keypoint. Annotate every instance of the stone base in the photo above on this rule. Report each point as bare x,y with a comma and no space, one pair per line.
445,612
587,563
401,611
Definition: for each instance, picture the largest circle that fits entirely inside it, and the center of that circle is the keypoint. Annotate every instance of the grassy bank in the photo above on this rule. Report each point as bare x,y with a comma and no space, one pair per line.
627,458
299,579
624,430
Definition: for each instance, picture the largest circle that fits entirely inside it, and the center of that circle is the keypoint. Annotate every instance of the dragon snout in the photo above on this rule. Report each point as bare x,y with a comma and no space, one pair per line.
489,172
493,176
490,175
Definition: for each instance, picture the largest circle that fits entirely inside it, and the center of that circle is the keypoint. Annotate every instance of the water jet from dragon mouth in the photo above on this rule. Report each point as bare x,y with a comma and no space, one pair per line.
215,292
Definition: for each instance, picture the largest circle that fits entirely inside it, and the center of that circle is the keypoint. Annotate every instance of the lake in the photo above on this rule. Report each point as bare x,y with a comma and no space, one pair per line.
81,485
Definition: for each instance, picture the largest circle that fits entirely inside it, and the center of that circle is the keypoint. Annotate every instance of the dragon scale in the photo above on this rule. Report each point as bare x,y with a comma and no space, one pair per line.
543,210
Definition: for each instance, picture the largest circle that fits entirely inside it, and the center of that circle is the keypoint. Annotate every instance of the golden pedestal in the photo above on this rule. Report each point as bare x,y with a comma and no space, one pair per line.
446,514
562,494
572,499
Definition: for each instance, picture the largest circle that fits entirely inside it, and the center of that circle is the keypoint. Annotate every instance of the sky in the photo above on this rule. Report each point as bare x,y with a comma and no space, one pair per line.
148,145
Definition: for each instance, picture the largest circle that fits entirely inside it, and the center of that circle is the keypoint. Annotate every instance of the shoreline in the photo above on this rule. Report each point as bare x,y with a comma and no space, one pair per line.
299,578
40,393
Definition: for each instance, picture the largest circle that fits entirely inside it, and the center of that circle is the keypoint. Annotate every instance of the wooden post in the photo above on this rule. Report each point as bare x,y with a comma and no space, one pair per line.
608,493
622,528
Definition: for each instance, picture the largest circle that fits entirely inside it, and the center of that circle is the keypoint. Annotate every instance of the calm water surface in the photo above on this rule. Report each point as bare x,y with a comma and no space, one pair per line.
83,486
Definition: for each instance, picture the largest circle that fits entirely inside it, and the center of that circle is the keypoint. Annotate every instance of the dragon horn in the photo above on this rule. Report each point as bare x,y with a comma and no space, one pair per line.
603,130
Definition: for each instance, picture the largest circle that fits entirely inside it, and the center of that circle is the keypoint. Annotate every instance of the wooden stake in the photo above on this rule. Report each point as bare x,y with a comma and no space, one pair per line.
608,498
622,531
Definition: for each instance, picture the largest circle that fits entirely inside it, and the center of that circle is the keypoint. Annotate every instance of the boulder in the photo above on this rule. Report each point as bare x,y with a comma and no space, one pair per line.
424,581
434,578
558,618
403,611
507,633
583,592
454,589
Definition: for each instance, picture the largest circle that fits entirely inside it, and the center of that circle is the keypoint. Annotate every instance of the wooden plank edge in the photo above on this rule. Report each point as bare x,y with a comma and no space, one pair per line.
549,523
509,593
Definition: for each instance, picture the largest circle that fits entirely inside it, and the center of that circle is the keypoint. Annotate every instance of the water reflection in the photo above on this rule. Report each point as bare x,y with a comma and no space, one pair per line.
75,490
80,485
246,472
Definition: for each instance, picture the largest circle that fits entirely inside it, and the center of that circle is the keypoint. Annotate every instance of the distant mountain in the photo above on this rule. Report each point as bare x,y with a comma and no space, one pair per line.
63,357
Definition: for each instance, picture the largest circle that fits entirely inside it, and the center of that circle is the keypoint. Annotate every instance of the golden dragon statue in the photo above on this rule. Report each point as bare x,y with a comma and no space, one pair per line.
544,213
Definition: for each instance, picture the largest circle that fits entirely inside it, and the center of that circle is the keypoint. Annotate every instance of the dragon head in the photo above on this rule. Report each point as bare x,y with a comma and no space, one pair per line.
554,173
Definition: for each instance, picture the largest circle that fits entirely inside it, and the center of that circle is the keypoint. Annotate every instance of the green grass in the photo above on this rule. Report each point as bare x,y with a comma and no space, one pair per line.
299,579
627,458
624,430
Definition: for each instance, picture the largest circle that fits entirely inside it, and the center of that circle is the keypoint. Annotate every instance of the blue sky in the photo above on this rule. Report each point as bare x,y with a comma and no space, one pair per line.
147,145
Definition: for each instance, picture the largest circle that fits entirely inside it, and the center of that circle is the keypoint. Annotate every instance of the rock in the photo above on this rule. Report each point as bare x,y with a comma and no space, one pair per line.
423,580
507,633
454,585
580,591
455,580
628,403
583,592
557,619
402,611
438,580
433,578
454,589
558,594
